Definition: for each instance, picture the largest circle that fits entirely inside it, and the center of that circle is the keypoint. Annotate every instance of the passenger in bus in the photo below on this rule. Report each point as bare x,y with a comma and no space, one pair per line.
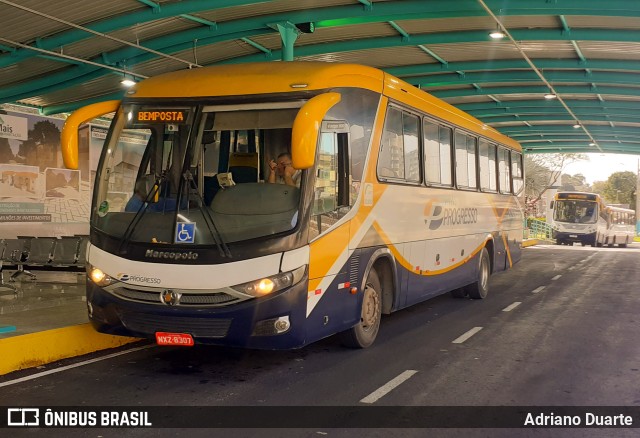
282,172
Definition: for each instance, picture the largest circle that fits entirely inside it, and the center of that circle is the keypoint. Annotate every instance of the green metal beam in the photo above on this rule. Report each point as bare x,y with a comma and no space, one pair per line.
562,89
514,76
72,106
212,25
184,40
458,37
586,149
130,19
400,30
260,47
537,129
465,8
349,14
586,114
511,64
582,142
565,117
433,55
518,105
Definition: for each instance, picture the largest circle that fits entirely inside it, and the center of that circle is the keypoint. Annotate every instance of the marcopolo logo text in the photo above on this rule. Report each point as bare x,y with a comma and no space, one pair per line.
171,255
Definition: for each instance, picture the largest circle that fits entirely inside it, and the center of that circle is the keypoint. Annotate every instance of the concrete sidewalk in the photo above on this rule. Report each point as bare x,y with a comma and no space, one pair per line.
46,321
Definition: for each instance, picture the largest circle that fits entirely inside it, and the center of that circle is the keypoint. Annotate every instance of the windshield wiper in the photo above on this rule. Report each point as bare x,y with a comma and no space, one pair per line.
223,249
143,208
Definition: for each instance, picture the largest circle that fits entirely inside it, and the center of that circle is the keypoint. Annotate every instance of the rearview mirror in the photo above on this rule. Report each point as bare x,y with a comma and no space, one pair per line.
306,126
69,135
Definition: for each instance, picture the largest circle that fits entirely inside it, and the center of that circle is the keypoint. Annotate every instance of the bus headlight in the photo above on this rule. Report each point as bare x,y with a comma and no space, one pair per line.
265,286
98,277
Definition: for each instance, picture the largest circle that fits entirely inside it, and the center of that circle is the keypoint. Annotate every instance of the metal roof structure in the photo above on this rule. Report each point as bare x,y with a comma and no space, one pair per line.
58,55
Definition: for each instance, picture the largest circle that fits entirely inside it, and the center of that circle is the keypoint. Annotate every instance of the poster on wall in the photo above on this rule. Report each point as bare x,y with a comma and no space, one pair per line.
62,183
34,185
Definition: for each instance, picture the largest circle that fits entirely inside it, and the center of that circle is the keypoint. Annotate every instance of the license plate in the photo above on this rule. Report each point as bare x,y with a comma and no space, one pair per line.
573,235
179,339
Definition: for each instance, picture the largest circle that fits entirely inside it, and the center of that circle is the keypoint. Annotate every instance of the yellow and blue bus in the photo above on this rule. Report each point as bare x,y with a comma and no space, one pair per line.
398,197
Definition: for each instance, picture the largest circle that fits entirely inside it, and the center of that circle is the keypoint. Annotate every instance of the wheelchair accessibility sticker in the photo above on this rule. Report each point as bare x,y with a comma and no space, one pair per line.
185,232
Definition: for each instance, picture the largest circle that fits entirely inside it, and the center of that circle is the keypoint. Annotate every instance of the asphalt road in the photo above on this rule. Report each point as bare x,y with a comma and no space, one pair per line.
560,329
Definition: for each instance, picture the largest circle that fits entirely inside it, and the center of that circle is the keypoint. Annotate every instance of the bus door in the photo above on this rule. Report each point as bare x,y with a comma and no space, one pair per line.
331,261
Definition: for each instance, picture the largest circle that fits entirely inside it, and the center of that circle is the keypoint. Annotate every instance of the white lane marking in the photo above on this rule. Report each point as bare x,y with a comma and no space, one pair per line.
388,387
467,335
556,277
538,289
583,260
75,365
512,306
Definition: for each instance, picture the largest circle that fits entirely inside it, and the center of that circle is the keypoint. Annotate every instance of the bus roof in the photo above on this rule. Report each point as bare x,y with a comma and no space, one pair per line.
620,209
282,77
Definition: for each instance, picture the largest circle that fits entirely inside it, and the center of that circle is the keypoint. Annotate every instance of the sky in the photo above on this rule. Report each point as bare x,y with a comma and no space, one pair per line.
601,166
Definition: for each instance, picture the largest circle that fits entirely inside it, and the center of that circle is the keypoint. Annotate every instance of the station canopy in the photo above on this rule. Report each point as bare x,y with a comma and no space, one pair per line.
556,75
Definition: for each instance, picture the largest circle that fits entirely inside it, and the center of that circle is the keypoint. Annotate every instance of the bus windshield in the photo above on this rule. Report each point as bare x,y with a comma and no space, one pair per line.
580,212
197,174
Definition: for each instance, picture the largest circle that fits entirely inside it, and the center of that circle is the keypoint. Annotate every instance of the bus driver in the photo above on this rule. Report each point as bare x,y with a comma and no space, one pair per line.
282,172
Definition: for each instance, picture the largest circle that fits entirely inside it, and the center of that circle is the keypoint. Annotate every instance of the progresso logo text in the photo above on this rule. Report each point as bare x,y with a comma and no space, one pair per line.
443,216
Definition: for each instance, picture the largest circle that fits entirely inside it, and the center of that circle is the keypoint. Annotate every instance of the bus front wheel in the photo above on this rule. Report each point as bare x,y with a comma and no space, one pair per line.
480,288
364,333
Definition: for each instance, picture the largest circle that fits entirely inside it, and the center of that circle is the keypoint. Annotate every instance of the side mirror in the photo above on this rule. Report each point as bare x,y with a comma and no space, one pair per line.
69,135
551,205
306,127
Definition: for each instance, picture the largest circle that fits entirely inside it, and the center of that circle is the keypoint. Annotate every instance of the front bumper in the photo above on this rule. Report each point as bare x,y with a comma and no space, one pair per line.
232,325
585,239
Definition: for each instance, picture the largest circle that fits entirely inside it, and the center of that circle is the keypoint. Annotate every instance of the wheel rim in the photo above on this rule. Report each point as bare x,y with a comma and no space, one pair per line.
484,273
370,306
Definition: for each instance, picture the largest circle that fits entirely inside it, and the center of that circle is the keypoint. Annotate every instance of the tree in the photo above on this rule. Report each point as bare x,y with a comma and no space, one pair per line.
620,188
598,187
41,147
543,171
576,182
6,154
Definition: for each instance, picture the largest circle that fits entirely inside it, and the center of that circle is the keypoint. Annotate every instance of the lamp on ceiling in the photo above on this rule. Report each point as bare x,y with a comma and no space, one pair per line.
576,125
497,34
127,81
550,95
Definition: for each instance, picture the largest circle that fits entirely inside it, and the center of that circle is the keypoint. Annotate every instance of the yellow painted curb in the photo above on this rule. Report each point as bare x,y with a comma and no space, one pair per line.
34,349
529,242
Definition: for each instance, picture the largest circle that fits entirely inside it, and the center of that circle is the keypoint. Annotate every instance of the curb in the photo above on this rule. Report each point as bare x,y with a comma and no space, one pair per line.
529,242
34,349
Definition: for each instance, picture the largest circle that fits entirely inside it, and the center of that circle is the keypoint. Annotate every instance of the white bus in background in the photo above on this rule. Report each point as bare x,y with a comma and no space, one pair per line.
616,226
576,217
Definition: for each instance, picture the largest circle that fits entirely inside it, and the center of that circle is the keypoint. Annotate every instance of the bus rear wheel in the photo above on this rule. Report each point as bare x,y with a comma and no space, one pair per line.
480,288
364,333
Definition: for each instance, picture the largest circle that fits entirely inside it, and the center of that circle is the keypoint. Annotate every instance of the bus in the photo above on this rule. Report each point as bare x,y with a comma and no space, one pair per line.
400,197
575,217
617,226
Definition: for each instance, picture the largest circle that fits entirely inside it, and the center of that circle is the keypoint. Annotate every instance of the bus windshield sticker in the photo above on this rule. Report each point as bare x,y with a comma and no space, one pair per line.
103,209
185,232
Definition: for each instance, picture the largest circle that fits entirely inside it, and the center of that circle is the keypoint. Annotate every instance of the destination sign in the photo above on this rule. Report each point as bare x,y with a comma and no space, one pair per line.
161,116
584,196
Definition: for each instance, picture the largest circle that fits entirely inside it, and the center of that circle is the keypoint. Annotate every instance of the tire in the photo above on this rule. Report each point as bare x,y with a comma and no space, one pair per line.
364,332
459,293
479,289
